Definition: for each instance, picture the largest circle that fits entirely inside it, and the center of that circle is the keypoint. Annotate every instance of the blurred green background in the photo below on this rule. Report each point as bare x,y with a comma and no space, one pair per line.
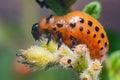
16,19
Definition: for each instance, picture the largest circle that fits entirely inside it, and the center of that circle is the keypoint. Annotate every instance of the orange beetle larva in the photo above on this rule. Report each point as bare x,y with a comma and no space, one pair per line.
74,28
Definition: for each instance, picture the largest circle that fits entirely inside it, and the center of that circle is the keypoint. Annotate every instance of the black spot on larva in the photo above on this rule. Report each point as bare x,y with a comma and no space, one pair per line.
69,61
99,41
73,24
81,20
106,44
101,48
81,28
54,29
74,41
102,35
71,37
48,19
101,55
88,31
90,23
97,28
94,36
59,25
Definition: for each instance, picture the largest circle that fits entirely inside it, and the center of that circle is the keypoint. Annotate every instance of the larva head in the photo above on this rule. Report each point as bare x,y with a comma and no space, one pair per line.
42,27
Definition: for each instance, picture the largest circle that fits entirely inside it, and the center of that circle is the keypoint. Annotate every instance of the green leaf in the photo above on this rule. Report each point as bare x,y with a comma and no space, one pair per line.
60,7
114,67
93,8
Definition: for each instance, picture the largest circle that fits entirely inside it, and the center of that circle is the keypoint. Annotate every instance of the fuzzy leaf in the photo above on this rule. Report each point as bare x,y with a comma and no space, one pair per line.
93,8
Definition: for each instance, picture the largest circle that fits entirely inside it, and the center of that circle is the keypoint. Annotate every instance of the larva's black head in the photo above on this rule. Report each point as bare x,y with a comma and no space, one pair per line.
42,29
35,32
